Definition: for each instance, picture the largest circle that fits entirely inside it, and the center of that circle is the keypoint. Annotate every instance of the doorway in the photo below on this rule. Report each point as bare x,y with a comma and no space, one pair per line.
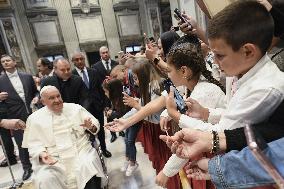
93,57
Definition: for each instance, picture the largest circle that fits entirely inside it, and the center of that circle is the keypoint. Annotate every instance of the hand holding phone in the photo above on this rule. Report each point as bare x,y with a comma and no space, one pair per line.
181,106
179,17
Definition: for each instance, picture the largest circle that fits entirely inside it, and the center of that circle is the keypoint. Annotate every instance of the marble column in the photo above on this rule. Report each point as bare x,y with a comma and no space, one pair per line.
145,24
26,42
110,26
67,25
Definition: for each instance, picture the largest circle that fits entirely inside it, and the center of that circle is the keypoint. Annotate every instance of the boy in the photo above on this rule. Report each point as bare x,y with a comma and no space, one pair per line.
239,36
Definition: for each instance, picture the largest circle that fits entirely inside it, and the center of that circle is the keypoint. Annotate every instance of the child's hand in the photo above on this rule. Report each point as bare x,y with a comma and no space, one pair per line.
162,179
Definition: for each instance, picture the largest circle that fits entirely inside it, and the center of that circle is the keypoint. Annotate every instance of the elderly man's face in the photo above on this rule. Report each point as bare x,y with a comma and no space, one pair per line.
79,61
52,99
63,70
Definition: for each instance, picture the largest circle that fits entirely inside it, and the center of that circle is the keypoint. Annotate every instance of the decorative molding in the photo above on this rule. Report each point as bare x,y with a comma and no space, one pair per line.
93,9
30,4
123,1
46,28
11,41
131,5
35,12
50,50
77,3
86,30
5,4
126,18
92,46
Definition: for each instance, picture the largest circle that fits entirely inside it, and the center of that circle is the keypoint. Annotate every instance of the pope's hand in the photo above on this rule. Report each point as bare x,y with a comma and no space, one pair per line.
47,159
117,125
13,124
87,123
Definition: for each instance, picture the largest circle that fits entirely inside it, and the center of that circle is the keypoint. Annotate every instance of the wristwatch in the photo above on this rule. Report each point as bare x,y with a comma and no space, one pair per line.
156,60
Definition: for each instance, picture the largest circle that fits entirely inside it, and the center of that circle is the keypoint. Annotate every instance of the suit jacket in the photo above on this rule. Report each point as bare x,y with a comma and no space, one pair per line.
99,66
73,90
95,91
16,107
102,72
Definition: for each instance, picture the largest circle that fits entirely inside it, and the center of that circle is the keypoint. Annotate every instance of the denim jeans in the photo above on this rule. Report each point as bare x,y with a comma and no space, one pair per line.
241,170
130,137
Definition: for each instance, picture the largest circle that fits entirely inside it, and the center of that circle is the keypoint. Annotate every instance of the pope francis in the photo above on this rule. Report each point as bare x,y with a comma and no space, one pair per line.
56,137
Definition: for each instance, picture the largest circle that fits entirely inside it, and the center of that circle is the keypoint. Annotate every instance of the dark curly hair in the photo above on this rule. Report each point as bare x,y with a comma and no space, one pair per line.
187,54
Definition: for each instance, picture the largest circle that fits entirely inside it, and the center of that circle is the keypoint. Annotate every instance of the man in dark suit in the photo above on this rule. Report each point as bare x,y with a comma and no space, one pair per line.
96,94
71,87
20,90
104,67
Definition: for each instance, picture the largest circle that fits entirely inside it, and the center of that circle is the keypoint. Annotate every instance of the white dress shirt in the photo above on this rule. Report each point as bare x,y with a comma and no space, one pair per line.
81,74
17,84
259,92
105,63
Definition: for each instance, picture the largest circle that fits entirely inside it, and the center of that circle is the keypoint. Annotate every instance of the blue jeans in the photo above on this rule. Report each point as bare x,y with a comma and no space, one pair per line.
130,137
241,170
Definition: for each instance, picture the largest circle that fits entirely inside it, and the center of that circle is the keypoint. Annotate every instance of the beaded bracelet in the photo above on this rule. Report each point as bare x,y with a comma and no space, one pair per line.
215,143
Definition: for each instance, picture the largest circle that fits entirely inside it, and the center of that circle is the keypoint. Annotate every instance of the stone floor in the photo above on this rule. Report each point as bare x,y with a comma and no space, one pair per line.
143,178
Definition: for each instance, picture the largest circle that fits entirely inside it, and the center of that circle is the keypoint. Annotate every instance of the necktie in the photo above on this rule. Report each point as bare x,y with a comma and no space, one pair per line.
85,79
107,67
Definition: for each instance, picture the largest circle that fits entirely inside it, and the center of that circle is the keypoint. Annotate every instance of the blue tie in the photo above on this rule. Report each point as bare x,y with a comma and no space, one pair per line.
85,79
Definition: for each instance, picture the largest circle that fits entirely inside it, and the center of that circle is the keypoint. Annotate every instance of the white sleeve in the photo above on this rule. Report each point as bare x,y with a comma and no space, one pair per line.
215,115
253,109
173,165
129,113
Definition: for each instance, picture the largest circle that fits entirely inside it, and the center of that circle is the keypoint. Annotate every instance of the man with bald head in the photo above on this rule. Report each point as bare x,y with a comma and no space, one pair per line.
96,94
71,87
57,137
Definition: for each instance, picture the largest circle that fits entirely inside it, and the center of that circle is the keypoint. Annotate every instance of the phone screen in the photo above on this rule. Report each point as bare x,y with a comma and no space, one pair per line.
181,106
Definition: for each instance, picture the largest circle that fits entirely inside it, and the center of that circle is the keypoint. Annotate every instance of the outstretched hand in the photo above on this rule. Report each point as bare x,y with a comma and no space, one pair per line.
117,125
188,143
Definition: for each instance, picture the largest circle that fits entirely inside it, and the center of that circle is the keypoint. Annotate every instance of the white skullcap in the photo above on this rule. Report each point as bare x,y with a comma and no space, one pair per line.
45,88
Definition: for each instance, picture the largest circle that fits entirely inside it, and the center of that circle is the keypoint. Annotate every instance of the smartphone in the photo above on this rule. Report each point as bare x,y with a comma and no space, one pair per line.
181,106
177,14
257,145
146,39
126,90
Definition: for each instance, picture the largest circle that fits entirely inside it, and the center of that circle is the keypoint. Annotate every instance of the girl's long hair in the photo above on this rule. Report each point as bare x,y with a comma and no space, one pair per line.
149,79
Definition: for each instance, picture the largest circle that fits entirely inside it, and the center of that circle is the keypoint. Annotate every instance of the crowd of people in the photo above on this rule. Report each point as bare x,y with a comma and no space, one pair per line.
228,77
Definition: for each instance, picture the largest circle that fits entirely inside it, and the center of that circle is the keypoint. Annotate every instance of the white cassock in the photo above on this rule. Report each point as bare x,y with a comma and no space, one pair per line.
66,141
